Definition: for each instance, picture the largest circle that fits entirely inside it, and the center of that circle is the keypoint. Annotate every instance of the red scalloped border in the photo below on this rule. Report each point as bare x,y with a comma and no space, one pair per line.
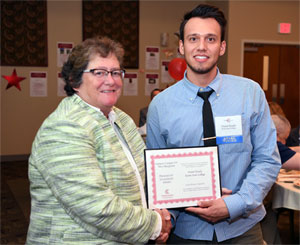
155,201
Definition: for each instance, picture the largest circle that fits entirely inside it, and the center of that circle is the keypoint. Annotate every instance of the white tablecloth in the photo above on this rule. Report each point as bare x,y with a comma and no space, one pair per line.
285,195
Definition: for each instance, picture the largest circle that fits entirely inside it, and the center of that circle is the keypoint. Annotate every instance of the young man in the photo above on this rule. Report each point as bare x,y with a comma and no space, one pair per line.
248,165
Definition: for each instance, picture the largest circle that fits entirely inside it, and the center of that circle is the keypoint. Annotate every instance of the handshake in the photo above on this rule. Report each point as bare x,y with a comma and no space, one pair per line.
212,211
166,225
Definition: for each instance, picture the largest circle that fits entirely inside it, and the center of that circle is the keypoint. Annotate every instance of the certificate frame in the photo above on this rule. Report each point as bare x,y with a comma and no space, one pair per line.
181,177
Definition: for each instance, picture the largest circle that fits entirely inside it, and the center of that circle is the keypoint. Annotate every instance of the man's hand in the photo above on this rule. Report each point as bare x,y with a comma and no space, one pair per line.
212,211
166,225
226,192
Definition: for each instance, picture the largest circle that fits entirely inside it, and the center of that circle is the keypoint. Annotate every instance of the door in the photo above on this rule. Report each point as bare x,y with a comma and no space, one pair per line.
276,68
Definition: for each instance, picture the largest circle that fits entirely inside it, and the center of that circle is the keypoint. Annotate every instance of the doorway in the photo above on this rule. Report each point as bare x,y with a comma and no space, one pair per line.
276,68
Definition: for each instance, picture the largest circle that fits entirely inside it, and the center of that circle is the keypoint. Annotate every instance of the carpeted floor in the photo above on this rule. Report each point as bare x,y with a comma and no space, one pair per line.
14,219
15,207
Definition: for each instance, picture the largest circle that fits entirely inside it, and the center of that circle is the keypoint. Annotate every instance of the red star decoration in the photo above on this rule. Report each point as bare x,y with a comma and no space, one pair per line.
13,80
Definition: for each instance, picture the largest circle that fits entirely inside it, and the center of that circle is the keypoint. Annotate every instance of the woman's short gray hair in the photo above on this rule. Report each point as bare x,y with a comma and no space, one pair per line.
81,55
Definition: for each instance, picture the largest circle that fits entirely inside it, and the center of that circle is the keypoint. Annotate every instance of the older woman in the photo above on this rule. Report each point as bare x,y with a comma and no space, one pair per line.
86,168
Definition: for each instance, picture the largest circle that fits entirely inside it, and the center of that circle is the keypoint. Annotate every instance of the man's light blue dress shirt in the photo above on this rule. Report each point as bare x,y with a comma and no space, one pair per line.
249,168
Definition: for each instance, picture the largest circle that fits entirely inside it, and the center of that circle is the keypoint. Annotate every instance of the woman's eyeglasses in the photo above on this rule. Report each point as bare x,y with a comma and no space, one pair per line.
101,73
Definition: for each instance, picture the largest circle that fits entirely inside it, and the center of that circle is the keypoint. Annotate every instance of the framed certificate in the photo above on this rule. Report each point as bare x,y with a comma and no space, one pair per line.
181,177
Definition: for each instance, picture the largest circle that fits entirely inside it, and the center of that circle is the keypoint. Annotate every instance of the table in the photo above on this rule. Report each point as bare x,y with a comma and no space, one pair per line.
287,196
285,193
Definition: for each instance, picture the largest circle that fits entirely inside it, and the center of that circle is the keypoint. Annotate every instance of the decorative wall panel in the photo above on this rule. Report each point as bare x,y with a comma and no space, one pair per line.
24,33
118,20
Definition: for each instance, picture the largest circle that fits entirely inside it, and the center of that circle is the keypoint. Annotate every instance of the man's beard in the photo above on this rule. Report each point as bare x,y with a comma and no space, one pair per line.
202,71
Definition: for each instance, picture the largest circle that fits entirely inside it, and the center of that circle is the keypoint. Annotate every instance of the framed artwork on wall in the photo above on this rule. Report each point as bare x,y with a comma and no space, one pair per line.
118,20
24,33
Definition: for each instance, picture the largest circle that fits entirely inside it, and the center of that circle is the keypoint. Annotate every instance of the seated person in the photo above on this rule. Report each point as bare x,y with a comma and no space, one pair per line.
275,109
294,138
290,159
144,111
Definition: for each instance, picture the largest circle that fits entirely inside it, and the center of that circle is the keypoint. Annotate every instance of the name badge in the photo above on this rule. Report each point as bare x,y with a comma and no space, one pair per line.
229,129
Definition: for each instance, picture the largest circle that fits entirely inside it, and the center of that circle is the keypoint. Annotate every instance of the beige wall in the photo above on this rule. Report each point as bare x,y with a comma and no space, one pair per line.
22,115
156,17
258,20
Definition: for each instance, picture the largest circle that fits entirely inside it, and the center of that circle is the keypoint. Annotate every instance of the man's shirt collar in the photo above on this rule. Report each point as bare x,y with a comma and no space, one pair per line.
192,89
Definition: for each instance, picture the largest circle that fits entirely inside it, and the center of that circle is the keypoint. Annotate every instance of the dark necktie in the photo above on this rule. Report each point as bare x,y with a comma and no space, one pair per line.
208,120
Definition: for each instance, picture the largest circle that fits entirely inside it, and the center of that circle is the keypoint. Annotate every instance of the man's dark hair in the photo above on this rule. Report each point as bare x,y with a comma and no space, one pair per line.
204,11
